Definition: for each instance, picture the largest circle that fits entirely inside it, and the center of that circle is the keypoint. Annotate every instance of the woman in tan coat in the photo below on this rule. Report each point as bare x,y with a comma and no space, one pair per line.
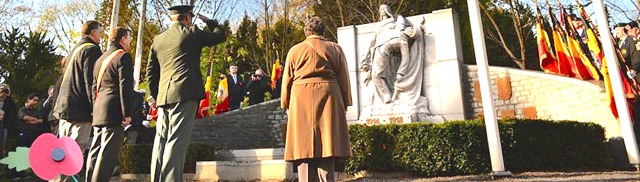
316,93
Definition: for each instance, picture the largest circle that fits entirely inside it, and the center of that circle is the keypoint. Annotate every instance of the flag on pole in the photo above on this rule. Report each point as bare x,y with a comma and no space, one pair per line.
548,62
276,73
577,47
582,62
609,90
203,108
593,43
561,51
223,97
564,61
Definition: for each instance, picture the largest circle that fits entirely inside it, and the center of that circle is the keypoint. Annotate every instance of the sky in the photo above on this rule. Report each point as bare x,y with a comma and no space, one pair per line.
620,10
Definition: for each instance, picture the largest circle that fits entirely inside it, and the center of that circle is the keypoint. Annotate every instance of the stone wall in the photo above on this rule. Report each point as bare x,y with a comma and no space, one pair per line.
534,94
517,93
257,126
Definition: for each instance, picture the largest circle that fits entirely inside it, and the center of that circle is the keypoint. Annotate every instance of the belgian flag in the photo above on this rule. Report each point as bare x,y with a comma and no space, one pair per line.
548,61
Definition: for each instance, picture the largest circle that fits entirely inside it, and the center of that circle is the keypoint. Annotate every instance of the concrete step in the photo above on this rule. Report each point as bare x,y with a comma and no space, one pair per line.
251,154
263,170
265,164
266,170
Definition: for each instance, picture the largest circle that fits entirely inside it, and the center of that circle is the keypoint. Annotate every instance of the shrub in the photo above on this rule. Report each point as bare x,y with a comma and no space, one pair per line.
136,159
460,147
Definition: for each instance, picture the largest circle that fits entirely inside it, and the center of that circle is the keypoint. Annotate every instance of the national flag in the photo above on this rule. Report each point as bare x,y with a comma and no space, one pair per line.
276,73
609,90
593,43
583,65
548,62
203,108
564,61
223,97
579,49
594,46
580,67
560,50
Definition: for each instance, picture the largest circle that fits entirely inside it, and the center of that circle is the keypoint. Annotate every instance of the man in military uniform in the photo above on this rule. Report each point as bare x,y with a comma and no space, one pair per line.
625,42
74,102
176,84
113,105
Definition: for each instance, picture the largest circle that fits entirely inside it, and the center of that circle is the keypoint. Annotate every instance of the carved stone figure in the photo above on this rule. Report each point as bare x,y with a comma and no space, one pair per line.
395,60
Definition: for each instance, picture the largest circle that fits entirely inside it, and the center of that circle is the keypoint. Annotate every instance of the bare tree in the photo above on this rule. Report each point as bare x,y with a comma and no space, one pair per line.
521,27
10,8
64,21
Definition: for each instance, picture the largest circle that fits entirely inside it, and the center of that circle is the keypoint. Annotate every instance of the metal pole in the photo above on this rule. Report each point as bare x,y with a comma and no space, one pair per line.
616,81
138,63
493,136
114,16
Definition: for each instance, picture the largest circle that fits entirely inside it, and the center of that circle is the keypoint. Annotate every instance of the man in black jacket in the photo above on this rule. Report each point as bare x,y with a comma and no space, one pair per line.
175,83
74,104
8,105
113,99
257,87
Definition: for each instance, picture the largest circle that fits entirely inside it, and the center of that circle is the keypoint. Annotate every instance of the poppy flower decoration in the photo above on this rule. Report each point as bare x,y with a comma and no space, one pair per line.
50,156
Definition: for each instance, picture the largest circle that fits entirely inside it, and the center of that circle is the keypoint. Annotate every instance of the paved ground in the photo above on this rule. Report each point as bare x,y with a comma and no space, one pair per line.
529,176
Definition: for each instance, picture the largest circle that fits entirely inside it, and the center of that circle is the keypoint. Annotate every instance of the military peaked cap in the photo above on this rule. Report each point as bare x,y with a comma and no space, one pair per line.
181,9
633,24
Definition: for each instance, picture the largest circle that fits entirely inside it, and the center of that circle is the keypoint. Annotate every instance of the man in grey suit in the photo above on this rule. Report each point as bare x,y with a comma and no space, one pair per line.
176,84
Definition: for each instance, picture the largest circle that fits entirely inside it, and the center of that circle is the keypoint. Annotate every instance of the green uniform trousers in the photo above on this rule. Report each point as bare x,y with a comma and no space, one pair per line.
173,135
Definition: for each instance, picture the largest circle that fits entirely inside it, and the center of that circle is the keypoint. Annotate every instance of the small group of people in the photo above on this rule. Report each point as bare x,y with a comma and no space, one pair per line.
237,88
95,95
24,122
627,36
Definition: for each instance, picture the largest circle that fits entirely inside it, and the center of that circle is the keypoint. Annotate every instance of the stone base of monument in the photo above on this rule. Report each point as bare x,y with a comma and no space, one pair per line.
398,113
250,165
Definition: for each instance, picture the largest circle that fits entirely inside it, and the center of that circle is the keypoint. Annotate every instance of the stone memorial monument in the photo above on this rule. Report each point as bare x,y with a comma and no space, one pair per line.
400,75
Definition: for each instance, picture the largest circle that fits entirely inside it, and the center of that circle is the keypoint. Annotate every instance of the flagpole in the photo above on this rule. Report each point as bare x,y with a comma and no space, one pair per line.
493,136
138,63
616,81
114,16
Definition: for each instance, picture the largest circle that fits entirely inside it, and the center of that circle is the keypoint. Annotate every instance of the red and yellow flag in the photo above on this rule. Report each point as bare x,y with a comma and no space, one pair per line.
548,62
564,61
609,90
223,97
585,70
203,108
276,73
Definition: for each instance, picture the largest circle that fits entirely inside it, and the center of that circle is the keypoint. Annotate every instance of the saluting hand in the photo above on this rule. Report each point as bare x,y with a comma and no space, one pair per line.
202,17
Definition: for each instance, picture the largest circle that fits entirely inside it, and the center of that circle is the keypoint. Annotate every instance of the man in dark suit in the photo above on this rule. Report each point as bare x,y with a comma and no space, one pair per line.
236,88
257,87
113,99
74,103
176,85
625,42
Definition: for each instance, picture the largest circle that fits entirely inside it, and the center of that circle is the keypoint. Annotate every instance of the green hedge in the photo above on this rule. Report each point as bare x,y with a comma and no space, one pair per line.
136,159
460,147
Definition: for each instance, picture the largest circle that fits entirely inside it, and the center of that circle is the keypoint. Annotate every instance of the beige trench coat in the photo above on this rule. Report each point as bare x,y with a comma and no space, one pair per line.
315,89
